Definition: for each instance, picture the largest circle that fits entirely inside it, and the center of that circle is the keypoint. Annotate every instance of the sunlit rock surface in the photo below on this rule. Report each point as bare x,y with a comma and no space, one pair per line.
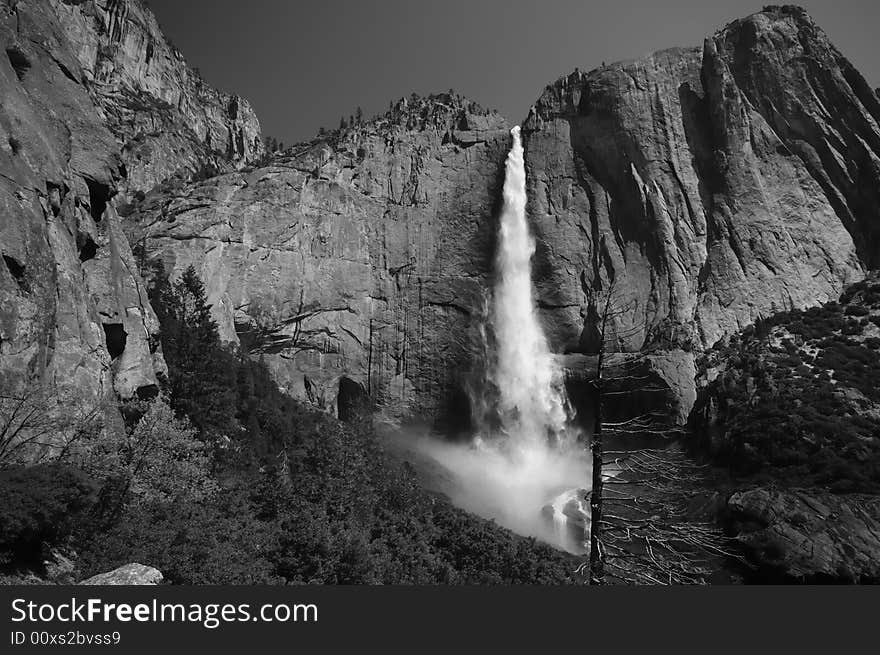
67,268
93,102
167,119
363,254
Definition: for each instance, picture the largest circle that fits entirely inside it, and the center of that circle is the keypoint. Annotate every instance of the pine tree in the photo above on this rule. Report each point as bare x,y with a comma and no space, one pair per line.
201,374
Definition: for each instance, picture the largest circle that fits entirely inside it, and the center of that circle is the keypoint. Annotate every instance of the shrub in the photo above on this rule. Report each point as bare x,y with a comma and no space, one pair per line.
40,504
856,310
164,460
331,511
784,414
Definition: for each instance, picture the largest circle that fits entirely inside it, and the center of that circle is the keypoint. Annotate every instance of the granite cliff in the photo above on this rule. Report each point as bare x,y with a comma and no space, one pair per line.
166,117
713,185
94,104
362,254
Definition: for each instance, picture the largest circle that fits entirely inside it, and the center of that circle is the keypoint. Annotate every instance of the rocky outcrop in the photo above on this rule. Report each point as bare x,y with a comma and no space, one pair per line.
362,255
68,280
168,120
796,400
808,536
94,105
128,574
713,185
799,395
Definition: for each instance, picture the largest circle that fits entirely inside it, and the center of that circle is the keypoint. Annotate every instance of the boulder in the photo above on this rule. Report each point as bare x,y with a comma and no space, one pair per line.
128,574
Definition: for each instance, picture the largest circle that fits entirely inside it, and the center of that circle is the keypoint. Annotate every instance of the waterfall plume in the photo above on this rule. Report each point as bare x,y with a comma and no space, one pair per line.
531,403
524,467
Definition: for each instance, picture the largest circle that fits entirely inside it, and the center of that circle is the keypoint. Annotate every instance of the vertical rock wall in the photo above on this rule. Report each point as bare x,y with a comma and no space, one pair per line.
713,185
93,102
361,255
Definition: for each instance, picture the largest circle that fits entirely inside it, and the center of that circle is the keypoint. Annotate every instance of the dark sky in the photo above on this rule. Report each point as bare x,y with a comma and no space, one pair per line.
303,64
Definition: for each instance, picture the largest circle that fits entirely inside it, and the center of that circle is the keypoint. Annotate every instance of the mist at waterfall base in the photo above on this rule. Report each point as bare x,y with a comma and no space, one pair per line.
525,465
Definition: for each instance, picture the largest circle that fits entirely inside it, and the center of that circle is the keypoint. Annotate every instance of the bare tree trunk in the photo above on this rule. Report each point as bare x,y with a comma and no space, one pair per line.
597,572
597,567
641,531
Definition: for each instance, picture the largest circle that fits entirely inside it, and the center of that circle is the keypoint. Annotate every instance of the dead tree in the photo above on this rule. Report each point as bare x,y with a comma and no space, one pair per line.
596,572
35,426
647,532
606,308
641,529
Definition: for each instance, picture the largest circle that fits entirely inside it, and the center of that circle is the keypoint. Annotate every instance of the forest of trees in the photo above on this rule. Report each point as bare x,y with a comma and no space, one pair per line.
797,397
224,479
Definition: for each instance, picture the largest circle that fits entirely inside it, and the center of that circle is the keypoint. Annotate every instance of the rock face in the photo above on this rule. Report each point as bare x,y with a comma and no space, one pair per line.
810,537
167,118
361,255
713,185
73,310
128,574
68,274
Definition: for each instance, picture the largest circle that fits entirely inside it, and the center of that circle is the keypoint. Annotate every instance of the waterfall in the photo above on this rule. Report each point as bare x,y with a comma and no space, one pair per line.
531,402
524,468
560,524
